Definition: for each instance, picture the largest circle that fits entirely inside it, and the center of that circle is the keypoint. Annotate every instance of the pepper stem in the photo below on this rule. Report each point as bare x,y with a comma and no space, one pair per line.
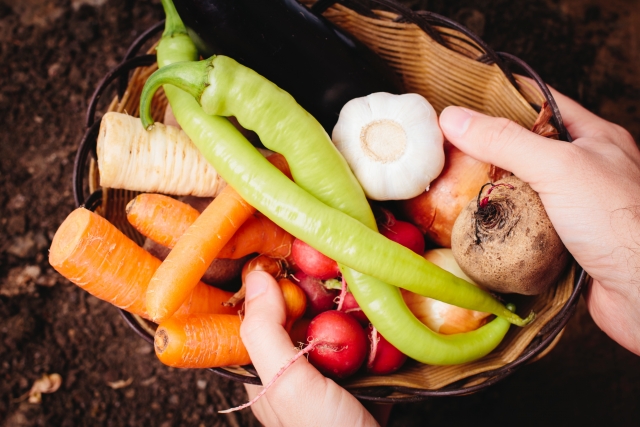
188,76
515,319
173,24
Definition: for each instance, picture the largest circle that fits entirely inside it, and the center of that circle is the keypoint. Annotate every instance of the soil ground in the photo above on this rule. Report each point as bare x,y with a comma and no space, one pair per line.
53,53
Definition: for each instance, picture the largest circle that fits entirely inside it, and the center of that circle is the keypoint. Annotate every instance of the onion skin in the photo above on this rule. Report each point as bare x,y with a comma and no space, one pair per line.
437,315
441,317
435,211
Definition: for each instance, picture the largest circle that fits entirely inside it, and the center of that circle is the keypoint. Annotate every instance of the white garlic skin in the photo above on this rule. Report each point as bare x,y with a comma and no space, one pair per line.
392,143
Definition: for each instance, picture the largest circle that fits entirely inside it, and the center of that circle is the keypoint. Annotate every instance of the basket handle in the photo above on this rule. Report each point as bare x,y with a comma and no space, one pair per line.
133,50
424,20
123,67
86,148
407,14
557,117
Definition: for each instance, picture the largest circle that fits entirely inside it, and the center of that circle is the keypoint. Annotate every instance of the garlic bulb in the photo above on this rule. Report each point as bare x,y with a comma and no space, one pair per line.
392,143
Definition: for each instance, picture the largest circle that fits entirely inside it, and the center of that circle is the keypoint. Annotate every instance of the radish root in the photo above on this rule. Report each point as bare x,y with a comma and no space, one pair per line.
343,293
375,339
291,361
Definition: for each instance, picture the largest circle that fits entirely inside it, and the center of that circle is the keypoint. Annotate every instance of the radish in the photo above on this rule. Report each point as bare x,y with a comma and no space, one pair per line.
312,262
351,306
383,357
298,332
319,297
338,344
337,347
402,232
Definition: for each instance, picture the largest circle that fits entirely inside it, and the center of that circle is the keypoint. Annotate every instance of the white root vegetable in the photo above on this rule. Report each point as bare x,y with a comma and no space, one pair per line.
392,143
163,160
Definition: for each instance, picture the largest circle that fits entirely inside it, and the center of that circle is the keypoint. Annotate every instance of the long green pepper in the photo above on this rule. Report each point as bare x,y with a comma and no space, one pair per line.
225,87
288,129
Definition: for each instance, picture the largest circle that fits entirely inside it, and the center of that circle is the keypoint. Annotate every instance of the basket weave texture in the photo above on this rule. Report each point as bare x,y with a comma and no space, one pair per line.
452,75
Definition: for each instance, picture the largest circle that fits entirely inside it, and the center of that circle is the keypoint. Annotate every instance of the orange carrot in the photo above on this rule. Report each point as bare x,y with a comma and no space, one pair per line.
259,235
201,341
92,253
161,218
164,219
195,250
295,301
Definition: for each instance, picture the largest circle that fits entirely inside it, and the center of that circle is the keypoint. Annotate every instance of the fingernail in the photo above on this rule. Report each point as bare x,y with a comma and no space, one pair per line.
256,285
454,121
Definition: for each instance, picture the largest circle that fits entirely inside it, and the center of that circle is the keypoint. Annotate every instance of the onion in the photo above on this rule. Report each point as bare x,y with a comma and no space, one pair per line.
435,210
437,315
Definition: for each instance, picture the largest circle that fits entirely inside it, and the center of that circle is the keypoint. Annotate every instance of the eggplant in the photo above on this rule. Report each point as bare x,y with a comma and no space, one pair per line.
321,66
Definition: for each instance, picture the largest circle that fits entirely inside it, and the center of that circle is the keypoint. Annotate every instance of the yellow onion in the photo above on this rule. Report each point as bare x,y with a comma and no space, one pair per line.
434,211
437,315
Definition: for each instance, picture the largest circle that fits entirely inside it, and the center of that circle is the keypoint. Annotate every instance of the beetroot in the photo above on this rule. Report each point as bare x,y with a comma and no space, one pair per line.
383,357
339,344
312,262
319,298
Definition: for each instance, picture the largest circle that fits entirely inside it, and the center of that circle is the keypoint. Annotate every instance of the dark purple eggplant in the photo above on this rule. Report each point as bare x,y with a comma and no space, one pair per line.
321,66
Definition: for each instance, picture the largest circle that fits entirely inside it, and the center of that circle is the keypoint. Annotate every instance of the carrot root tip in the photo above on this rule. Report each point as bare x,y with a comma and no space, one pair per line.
161,341
130,205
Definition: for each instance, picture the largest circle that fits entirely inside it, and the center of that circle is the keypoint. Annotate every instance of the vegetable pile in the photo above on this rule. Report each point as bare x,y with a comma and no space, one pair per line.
316,212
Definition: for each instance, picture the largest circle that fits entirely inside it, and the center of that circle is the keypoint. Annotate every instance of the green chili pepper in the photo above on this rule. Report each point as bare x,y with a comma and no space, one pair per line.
381,303
303,215
223,86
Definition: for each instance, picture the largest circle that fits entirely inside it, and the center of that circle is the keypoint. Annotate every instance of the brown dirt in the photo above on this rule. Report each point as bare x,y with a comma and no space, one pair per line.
52,55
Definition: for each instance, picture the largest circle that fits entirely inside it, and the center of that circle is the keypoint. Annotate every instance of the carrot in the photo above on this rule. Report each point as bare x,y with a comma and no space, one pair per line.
201,341
222,273
162,160
259,235
196,249
92,253
164,219
161,218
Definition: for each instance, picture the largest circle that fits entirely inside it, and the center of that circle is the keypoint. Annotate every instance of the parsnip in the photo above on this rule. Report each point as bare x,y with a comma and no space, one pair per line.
163,160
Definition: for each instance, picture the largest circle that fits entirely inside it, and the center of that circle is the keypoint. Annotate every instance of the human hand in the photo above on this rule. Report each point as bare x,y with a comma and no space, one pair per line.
591,191
302,396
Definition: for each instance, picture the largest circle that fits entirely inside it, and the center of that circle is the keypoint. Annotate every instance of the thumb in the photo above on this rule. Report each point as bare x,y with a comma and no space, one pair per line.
500,142
262,329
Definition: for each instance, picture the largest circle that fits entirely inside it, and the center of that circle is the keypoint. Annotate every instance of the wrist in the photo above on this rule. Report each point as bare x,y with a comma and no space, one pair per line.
614,310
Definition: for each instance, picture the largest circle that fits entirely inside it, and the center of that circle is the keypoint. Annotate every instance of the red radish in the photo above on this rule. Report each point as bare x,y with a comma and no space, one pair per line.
351,306
383,357
319,297
339,344
337,347
298,332
402,232
312,262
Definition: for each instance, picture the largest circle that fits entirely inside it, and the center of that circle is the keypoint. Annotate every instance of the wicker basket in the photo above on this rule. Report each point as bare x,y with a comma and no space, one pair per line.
448,65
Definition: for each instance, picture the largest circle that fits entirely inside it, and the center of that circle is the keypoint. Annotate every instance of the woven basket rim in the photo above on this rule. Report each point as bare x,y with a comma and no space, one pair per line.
546,337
